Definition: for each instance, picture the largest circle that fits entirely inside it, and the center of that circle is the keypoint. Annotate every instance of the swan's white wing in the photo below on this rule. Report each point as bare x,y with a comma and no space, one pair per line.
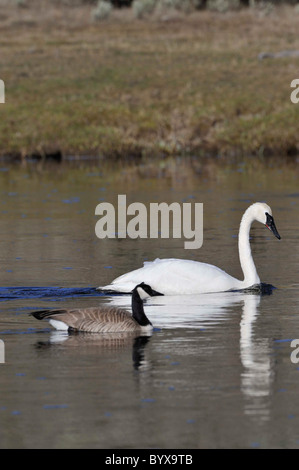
173,276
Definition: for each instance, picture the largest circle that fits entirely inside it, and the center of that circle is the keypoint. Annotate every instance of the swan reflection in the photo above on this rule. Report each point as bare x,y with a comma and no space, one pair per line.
209,311
255,352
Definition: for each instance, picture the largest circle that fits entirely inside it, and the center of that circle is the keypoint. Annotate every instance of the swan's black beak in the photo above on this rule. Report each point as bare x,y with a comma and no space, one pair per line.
270,224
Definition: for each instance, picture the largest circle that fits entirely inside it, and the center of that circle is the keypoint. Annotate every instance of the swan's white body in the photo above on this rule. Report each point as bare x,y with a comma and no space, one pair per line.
175,276
178,276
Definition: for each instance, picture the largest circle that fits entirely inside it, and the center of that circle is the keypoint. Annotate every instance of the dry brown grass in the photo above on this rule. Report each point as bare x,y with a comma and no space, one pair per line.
167,85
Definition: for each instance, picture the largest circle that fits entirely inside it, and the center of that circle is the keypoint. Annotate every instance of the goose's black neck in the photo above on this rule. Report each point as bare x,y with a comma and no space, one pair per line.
137,309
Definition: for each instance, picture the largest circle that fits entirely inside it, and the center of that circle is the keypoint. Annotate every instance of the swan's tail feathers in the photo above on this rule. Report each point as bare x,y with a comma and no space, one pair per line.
112,289
109,287
121,289
42,314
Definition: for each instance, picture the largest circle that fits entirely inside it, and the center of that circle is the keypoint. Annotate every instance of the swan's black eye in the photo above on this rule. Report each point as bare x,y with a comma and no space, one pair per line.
271,225
269,220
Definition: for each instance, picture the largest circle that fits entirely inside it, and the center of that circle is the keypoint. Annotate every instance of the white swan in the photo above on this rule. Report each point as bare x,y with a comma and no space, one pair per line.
175,276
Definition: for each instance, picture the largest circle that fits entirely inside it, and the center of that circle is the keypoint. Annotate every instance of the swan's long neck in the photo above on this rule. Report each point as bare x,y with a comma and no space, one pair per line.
138,311
247,264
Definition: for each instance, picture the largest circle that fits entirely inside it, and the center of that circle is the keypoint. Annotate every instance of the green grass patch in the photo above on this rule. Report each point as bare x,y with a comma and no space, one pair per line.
150,88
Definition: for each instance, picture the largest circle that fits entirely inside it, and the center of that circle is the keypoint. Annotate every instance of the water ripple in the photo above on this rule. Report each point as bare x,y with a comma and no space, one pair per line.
13,293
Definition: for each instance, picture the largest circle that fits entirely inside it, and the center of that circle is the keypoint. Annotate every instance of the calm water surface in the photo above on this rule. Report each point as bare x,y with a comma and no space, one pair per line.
216,372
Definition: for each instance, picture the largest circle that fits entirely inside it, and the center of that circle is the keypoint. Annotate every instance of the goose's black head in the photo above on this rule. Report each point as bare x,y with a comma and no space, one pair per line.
270,224
144,290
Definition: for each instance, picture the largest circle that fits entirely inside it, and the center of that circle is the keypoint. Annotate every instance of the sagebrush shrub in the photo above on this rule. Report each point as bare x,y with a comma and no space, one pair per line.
101,11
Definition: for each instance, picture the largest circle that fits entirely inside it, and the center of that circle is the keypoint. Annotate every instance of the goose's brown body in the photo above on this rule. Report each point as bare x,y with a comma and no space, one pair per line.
103,319
93,320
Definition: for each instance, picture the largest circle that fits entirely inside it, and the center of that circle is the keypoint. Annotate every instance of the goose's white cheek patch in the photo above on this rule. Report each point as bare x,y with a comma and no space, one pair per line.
142,294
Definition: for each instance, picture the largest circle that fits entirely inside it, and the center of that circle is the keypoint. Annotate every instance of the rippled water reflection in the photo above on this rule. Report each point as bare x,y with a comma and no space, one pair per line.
216,372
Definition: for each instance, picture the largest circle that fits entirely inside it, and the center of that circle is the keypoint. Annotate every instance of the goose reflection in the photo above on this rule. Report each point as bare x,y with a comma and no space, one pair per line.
102,344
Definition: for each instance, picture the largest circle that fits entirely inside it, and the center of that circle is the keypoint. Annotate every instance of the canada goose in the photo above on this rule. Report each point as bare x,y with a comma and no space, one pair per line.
175,276
103,319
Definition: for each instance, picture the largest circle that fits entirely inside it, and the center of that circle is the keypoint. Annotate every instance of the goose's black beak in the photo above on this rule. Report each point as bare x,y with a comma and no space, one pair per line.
147,289
154,293
270,224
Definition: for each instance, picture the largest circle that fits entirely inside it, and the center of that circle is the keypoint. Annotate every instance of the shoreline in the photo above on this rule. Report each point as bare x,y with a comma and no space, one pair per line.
128,89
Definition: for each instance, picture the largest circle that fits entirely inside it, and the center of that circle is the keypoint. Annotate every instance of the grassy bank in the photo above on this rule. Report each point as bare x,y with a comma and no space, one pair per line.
166,85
